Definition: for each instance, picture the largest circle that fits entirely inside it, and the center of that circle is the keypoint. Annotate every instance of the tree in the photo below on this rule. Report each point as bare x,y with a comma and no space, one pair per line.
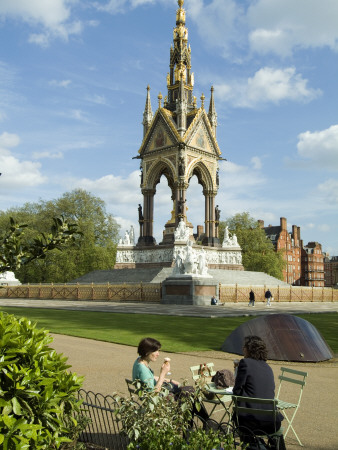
96,246
258,253
15,252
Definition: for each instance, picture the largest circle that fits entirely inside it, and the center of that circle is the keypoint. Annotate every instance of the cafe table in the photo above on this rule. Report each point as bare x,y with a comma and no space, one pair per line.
223,397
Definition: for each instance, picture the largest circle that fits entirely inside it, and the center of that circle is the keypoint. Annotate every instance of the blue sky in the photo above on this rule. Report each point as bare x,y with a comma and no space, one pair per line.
73,78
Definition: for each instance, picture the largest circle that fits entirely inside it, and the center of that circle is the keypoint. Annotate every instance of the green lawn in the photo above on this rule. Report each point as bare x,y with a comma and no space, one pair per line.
177,334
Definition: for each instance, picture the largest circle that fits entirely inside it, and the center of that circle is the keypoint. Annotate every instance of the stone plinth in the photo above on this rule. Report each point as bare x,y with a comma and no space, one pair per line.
188,290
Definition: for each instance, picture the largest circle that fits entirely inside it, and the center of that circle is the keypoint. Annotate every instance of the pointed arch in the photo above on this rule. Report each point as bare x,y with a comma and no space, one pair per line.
161,167
202,173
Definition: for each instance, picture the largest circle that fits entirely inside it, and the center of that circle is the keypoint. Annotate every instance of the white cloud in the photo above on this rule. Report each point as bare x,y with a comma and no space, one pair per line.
53,16
78,114
16,174
268,85
320,147
49,155
61,83
256,162
97,99
121,6
281,26
329,191
219,22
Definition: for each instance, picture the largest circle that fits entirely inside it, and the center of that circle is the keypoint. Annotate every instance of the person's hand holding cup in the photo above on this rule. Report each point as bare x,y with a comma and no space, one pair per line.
167,365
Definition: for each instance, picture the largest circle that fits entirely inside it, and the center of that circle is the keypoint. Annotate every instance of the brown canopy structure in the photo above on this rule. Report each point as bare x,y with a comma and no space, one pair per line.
287,337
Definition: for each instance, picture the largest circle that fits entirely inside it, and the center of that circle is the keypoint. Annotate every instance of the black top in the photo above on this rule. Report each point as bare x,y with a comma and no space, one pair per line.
255,379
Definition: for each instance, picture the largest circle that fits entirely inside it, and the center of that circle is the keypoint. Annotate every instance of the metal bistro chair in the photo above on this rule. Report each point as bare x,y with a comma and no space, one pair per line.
216,402
256,438
132,387
298,378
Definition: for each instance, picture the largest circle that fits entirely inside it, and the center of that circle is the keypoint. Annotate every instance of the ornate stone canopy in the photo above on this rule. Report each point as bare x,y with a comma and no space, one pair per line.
179,141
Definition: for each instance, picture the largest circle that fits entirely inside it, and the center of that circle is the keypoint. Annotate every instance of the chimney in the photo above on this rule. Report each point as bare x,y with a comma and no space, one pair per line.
295,235
283,223
200,230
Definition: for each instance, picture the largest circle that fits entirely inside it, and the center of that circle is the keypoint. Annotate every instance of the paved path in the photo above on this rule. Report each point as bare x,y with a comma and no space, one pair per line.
227,310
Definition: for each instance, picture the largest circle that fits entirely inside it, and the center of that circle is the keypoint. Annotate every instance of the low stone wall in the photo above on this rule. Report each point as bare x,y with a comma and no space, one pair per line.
151,292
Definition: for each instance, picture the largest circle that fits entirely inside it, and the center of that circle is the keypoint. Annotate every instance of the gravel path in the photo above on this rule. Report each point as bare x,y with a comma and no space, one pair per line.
106,365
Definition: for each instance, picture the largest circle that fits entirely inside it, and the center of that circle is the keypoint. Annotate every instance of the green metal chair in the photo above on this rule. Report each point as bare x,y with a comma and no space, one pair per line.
295,377
216,402
256,438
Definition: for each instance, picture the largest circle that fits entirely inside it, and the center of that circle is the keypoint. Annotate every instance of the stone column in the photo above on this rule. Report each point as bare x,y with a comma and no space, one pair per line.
148,213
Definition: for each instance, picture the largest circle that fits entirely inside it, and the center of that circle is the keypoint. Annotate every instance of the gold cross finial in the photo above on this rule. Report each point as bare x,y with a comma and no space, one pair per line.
159,99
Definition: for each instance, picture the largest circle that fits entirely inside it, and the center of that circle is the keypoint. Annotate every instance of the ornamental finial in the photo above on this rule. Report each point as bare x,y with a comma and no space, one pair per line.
180,3
159,99
202,100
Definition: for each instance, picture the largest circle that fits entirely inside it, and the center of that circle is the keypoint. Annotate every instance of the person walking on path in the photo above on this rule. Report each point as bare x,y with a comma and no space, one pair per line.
251,298
268,296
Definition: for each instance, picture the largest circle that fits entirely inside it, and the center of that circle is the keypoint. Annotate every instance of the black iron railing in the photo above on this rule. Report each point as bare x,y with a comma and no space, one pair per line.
104,430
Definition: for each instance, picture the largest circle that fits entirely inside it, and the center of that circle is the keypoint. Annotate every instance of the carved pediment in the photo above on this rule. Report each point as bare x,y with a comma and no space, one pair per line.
161,134
200,135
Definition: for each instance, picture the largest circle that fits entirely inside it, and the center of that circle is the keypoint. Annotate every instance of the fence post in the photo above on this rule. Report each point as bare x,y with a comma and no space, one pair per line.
290,292
278,292
93,296
312,293
323,294
142,296
236,299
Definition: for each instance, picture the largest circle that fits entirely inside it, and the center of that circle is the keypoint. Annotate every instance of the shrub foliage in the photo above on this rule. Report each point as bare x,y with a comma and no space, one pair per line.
38,398
158,421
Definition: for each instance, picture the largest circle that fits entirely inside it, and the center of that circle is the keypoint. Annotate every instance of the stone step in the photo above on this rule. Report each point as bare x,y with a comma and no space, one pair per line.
157,275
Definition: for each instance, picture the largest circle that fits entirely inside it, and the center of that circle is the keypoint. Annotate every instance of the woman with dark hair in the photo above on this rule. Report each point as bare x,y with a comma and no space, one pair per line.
255,379
149,350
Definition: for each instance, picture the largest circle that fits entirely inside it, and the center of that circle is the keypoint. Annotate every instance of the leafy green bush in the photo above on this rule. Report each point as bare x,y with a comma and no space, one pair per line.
155,421
38,398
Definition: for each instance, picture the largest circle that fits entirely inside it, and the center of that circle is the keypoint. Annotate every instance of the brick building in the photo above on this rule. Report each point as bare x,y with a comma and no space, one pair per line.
304,263
331,270
312,265
290,244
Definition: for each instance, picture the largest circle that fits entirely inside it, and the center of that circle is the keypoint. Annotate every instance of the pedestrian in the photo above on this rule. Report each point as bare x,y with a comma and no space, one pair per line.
268,296
251,298
214,301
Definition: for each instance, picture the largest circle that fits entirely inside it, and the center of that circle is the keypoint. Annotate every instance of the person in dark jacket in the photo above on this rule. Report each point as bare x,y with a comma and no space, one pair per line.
268,296
251,298
255,379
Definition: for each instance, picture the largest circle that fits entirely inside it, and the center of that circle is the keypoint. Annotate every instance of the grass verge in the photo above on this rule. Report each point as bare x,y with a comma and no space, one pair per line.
176,334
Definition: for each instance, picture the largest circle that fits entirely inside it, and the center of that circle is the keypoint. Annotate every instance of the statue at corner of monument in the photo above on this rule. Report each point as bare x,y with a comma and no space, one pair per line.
202,264
8,278
182,232
132,235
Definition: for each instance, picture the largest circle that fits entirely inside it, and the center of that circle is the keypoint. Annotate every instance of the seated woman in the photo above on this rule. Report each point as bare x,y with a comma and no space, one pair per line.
255,379
149,351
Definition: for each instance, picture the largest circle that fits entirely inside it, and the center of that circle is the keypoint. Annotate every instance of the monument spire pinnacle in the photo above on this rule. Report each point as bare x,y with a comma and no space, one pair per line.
212,115
180,64
147,114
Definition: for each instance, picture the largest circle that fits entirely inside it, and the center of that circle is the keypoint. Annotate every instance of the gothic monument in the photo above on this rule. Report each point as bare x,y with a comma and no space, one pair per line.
179,141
